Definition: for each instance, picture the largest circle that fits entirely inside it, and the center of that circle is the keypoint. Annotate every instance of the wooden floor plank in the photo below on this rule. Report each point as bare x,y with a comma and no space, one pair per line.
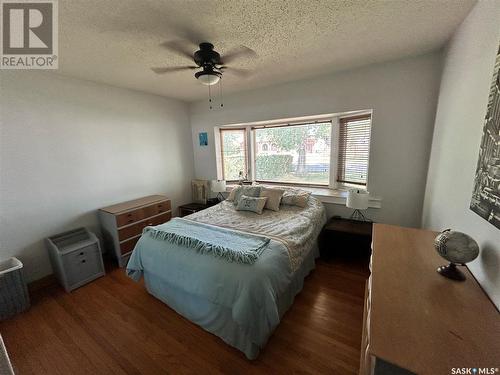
113,326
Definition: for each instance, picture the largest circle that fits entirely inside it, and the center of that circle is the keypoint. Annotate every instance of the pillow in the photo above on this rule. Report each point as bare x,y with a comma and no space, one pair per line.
253,204
273,198
295,198
230,198
249,191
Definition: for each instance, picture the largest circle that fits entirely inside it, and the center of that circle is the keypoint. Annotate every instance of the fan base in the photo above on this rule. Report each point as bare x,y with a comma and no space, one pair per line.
451,272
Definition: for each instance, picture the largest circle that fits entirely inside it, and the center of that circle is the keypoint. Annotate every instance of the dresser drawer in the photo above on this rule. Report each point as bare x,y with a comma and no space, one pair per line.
127,246
135,229
130,217
142,213
82,264
123,223
157,208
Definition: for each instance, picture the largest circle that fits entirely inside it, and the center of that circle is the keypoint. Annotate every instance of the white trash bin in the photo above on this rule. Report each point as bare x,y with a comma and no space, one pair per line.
14,297
5,365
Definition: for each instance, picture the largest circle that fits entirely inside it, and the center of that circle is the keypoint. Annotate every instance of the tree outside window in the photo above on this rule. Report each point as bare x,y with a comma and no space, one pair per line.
301,153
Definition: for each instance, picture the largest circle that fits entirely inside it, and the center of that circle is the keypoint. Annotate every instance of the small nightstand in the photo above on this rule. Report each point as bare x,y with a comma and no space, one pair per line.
191,208
346,238
76,257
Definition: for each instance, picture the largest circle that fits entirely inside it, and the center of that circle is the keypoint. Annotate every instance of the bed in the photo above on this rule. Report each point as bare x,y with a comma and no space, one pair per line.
240,303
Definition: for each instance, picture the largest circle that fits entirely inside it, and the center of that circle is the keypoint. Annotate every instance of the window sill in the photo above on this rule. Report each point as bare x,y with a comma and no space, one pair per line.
331,196
339,196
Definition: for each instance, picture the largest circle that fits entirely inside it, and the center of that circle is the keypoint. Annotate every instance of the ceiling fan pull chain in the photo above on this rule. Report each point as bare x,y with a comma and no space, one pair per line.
220,94
209,97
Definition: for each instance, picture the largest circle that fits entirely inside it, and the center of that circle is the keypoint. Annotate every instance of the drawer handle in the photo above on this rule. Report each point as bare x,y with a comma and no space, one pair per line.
130,220
129,215
83,261
82,253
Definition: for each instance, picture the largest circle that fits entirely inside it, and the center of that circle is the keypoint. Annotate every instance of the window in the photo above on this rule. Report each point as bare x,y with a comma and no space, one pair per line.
354,149
329,150
301,153
233,144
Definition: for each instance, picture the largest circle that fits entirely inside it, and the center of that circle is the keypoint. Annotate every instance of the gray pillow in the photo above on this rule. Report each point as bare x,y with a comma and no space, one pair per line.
249,191
251,204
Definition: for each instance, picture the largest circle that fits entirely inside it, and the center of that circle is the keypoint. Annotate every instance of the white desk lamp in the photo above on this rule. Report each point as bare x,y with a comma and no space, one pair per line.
358,200
219,187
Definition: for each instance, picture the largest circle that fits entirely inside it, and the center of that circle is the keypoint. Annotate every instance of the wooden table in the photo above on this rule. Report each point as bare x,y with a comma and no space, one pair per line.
346,238
419,320
191,208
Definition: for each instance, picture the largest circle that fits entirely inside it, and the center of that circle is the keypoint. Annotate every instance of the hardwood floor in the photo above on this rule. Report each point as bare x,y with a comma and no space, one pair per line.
113,326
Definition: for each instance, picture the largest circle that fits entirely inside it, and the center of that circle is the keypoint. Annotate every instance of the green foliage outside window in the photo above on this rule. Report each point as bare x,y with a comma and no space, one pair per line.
272,167
289,141
282,154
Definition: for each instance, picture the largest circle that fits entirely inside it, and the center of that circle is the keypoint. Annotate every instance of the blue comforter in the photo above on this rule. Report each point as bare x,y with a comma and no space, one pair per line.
239,302
251,292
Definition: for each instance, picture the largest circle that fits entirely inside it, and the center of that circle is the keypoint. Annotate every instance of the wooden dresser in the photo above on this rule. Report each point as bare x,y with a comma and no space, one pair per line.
122,223
417,321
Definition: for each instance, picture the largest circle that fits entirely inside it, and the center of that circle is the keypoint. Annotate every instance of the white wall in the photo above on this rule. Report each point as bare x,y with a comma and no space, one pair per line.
69,147
403,97
463,96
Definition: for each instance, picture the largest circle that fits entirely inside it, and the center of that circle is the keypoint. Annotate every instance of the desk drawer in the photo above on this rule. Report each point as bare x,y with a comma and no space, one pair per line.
135,229
142,213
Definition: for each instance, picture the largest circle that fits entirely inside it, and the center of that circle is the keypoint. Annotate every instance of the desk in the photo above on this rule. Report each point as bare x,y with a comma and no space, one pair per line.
417,319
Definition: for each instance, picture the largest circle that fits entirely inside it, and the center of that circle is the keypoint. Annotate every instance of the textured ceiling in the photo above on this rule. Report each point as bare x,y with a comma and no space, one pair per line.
118,41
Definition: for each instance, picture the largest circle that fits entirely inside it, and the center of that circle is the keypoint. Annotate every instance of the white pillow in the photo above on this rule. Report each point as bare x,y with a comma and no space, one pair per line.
295,198
273,198
230,198
253,204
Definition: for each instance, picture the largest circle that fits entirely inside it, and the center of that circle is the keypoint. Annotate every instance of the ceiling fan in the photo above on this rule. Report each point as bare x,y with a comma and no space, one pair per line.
211,63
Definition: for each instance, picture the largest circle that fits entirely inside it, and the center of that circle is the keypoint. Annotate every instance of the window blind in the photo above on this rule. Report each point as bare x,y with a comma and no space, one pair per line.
354,149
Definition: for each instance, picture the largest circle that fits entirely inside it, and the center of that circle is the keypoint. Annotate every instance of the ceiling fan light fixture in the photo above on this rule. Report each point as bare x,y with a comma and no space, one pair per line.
208,78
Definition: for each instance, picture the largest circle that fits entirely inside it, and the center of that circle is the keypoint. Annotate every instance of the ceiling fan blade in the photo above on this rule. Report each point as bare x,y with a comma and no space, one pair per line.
179,47
190,34
237,71
172,69
238,52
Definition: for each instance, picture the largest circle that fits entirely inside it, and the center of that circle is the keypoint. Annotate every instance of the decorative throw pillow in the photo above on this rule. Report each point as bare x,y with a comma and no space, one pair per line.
230,198
273,198
295,198
253,204
249,191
